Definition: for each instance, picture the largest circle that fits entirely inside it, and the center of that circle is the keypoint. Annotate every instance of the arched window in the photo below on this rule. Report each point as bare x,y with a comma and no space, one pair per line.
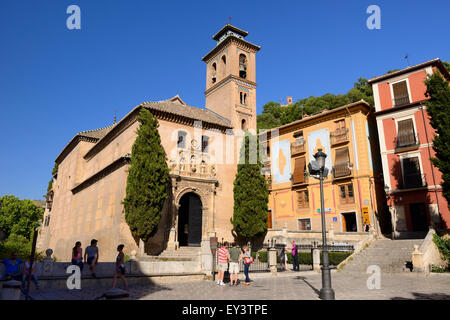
242,66
214,71
205,142
223,61
243,124
181,143
243,98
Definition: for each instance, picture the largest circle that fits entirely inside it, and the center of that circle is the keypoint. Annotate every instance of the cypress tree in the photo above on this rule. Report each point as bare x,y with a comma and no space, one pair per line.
438,108
251,195
148,179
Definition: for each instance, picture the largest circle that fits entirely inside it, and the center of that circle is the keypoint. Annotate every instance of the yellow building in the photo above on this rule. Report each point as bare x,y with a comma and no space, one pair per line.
353,191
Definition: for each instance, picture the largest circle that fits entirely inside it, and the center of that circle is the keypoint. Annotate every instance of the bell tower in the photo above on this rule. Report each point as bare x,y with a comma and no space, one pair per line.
231,79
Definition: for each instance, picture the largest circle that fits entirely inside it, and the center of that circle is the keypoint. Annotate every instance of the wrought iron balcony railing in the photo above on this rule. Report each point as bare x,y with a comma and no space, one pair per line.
400,100
342,170
297,147
339,136
415,180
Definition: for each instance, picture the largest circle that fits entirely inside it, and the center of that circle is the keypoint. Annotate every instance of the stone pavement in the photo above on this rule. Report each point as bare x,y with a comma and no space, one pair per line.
286,286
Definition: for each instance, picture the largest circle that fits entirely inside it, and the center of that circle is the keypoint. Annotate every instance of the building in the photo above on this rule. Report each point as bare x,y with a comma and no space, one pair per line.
412,183
86,199
353,190
288,102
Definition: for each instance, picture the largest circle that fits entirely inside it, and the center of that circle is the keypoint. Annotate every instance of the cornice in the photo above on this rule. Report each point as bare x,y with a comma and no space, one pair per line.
231,39
230,77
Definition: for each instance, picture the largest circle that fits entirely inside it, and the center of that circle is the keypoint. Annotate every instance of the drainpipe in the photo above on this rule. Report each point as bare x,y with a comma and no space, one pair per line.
431,164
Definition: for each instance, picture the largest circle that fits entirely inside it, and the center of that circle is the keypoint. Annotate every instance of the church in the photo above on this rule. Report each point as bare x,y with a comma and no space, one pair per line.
201,146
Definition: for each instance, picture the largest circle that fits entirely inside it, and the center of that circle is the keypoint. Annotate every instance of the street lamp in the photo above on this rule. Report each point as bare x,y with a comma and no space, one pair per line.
318,168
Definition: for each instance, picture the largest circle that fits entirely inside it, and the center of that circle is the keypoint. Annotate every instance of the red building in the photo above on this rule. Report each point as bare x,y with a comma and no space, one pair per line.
412,183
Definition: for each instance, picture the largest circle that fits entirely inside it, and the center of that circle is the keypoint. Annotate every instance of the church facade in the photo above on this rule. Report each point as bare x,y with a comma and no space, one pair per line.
202,147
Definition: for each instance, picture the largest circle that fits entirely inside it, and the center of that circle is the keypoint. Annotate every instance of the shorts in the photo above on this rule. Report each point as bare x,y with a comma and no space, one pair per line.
90,260
234,267
222,266
121,269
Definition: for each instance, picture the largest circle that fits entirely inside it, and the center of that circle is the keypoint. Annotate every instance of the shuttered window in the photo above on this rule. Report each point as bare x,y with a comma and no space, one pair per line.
342,156
302,199
299,170
304,224
401,96
405,134
412,176
340,125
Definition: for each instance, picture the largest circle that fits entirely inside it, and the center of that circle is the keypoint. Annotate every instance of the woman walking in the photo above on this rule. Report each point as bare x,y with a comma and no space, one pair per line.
77,255
247,261
120,267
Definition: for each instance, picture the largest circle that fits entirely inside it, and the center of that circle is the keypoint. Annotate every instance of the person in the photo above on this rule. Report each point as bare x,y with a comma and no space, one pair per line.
120,267
223,257
246,255
29,272
235,258
77,256
283,258
12,267
92,256
294,251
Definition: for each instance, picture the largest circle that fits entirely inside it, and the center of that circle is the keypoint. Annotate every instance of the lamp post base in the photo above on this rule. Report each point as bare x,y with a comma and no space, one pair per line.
326,294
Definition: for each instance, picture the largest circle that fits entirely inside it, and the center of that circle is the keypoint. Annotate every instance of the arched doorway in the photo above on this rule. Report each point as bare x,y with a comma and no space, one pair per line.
190,220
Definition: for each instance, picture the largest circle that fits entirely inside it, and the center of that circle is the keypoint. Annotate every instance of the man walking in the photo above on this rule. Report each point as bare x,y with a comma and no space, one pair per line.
235,257
295,264
223,256
92,256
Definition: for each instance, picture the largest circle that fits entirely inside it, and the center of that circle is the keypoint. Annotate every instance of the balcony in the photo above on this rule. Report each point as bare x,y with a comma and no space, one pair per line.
400,100
297,148
265,160
342,170
414,180
339,136
406,142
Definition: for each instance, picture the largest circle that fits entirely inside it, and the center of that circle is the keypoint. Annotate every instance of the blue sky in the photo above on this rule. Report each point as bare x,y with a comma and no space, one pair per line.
55,82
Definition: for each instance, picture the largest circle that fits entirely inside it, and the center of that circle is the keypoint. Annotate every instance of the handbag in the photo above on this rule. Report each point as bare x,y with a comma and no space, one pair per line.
248,260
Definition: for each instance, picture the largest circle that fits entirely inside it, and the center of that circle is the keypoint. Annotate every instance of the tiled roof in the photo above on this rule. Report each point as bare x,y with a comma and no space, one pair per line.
173,106
96,133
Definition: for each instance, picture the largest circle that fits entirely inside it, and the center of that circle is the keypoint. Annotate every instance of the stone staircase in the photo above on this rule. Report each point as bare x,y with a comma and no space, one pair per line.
391,256
182,254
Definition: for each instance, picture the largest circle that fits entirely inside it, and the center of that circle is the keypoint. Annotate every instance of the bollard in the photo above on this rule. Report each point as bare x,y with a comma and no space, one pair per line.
316,259
11,290
116,294
272,257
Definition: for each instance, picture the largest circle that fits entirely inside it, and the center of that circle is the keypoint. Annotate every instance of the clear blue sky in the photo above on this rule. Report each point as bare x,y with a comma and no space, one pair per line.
55,82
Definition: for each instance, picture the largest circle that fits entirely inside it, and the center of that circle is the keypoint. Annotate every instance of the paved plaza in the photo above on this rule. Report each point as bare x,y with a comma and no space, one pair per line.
286,286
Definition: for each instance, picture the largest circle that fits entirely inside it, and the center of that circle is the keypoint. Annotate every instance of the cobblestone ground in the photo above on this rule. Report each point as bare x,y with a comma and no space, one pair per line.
287,286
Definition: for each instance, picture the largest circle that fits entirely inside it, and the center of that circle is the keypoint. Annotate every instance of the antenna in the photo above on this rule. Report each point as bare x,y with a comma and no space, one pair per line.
115,112
229,20
407,61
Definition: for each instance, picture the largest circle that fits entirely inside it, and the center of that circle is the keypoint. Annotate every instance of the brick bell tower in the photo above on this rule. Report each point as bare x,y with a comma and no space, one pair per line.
230,78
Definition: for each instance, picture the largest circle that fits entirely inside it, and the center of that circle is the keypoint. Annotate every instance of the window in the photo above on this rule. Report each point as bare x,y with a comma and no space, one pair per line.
268,150
47,221
405,133
346,193
412,176
341,163
302,199
223,61
299,170
181,143
243,98
242,66
298,138
214,71
339,125
401,96
304,224
205,141
243,124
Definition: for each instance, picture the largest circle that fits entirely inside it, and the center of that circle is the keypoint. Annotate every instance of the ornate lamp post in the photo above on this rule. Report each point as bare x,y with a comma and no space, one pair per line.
326,293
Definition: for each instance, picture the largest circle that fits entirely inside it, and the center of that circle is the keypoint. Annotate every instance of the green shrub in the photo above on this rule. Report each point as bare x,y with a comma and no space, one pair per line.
306,257
443,245
262,256
20,244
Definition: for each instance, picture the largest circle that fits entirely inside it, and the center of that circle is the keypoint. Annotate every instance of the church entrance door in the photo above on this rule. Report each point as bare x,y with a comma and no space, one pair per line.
190,220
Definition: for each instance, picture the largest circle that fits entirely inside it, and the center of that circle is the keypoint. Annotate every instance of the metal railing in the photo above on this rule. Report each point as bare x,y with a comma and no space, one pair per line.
400,100
342,170
297,148
406,140
416,180
339,136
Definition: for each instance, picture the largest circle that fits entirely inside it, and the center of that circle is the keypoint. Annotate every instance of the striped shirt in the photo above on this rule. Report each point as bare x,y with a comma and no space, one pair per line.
223,254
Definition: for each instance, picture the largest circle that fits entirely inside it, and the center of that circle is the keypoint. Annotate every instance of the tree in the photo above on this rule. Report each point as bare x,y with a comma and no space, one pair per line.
438,107
19,217
274,115
251,195
54,172
148,179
